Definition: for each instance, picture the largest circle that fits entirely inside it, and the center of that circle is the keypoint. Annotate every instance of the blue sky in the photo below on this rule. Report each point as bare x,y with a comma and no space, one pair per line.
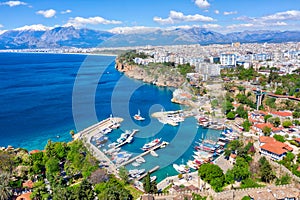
127,15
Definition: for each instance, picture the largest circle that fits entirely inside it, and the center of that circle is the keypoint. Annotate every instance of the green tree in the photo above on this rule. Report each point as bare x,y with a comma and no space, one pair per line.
296,114
242,112
72,132
267,131
5,190
227,106
287,123
84,191
147,183
241,169
123,173
210,173
246,125
246,198
266,172
61,193
266,117
275,121
39,191
279,138
230,115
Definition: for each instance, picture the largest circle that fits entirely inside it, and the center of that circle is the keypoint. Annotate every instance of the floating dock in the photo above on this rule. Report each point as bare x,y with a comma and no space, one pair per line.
143,154
127,140
150,171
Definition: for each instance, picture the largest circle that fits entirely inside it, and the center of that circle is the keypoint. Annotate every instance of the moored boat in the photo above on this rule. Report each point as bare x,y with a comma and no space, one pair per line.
138,116
151,144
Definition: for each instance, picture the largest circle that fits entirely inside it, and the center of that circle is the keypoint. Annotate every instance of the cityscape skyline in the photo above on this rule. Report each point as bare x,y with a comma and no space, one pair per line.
119,17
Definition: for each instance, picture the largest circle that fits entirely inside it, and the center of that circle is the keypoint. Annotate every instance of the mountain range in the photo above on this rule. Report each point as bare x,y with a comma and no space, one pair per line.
63,37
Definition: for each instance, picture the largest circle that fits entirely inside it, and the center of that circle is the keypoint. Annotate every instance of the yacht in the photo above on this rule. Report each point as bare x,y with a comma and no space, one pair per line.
182,169
138,116
151,144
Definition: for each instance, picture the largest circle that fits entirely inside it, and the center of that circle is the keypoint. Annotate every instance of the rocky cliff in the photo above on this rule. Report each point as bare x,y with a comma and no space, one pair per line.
158,75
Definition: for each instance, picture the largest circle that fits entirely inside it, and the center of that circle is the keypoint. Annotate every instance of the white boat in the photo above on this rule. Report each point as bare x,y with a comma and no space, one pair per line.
140,160
106,130
153,178
112,145
151,144
136,164
192,164
130,139
153,153
180,168
138,116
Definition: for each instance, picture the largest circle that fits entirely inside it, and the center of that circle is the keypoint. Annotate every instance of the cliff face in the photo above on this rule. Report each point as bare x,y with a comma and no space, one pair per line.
155,75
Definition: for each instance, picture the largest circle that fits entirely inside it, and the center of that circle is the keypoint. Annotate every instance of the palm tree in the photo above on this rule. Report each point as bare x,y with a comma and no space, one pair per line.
5,190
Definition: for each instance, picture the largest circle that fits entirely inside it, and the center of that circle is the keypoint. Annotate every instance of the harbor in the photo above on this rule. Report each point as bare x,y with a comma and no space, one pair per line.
116,147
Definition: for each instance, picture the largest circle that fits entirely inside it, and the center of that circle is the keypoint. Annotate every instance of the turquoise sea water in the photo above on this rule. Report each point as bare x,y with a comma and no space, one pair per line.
44,96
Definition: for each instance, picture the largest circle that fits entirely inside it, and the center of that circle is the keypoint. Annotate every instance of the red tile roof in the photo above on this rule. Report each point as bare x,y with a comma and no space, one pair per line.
34,151
274,146
25,196
262,125
282,113
266,139
274,149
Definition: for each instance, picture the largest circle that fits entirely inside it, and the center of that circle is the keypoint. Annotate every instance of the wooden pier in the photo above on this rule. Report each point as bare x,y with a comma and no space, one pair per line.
150,171
143,154
127,140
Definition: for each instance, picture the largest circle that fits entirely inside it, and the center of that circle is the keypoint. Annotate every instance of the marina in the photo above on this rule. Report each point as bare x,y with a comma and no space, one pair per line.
118,154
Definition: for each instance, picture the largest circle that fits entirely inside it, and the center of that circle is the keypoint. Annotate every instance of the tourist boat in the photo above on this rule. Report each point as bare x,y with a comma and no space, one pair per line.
153,178
111,145
130,139
136,164
135,173
123,136
192,164
140,160
151,144
138,116
101,140
205,148
182,169
153,153
115,126
106,131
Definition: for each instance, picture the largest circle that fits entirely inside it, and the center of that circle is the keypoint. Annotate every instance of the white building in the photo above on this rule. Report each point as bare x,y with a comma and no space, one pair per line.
228,59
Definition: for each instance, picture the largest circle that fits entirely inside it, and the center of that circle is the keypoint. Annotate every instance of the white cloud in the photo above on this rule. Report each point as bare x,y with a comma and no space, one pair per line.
287,15
1,26
217,12
80,21
13,3
279,16
230,12
66,11
262,25
177,17
202,3
47,13
211,26
35,27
